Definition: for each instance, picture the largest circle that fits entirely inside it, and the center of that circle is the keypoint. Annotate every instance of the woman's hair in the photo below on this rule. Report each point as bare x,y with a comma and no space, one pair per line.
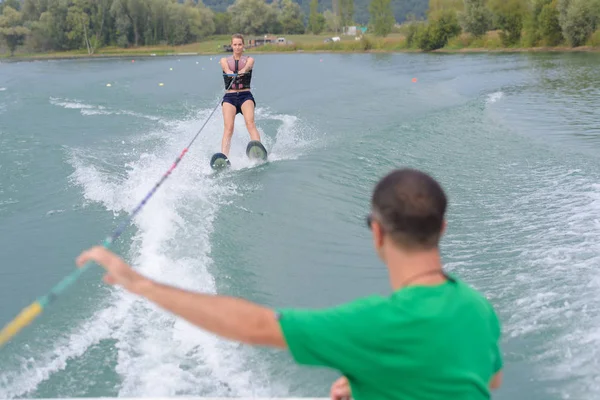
237,36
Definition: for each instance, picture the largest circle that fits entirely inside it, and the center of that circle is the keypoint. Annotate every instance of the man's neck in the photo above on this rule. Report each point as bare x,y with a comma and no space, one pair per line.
408,268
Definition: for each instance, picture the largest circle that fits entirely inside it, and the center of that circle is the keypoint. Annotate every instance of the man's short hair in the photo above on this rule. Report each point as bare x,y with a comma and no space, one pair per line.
410,206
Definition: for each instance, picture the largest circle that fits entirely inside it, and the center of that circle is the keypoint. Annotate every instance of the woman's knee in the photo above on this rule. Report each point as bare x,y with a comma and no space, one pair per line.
228,128
250,123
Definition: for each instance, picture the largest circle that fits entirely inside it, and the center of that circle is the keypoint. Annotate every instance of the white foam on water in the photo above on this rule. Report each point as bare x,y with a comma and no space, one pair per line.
494,97
52,212
548,283
8,202
158,354
88,109
290,139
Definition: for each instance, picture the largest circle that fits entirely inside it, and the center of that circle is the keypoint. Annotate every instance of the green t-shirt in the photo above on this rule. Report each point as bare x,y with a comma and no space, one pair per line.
422,342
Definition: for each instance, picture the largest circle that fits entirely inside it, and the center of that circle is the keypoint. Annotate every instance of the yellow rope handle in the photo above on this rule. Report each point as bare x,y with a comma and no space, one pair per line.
22,320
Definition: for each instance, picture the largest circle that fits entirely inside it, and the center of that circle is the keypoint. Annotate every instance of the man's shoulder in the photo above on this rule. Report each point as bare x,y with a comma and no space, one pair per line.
350,308
469,290
478,300
455,291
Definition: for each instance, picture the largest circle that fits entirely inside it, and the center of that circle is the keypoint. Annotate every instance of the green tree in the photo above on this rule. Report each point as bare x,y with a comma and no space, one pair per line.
531,30
48,33
132,17
14,4
382,18
346,12
549,26
159,24
33,9
439,30
476,18
54,22
578,19
413,30
78,23
291,18
253,17
12,30
316,20
509,16
188,23
222,23
85,23
332,21
202,22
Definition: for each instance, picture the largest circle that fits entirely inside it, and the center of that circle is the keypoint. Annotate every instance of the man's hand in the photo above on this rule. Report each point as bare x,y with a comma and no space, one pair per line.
496,381
340,390
119,273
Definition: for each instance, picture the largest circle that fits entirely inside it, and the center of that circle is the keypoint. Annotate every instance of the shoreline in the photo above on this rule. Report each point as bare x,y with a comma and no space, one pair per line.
165,53
557,49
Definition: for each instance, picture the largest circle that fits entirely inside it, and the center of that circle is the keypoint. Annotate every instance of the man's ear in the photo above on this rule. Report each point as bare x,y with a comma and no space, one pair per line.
378,234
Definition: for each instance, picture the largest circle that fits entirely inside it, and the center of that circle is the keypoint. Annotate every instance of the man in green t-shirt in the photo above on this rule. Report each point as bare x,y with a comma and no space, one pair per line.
434,337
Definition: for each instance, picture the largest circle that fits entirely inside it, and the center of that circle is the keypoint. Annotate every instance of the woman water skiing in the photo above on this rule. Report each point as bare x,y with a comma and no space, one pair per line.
238,98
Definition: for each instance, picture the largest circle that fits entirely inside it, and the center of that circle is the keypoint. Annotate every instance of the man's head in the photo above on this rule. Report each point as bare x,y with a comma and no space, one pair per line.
407,211
237,42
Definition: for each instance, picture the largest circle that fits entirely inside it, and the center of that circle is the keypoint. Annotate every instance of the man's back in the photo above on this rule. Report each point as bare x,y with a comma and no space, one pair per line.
422,342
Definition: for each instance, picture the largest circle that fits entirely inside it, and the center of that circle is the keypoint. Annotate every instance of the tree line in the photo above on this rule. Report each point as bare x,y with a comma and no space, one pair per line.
524,23
59,25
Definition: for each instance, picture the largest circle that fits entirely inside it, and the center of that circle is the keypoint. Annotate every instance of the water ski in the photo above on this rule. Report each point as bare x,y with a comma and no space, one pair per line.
219,161
255,150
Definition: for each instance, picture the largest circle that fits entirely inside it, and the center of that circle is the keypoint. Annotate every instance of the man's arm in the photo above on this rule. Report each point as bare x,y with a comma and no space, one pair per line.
496,380
229,317
340,390
498,361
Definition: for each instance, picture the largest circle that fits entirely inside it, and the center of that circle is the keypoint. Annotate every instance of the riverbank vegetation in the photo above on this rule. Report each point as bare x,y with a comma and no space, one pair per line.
75,28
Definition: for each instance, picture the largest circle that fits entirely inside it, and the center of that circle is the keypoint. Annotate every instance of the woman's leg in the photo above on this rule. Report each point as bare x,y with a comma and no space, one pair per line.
229,113
248,112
